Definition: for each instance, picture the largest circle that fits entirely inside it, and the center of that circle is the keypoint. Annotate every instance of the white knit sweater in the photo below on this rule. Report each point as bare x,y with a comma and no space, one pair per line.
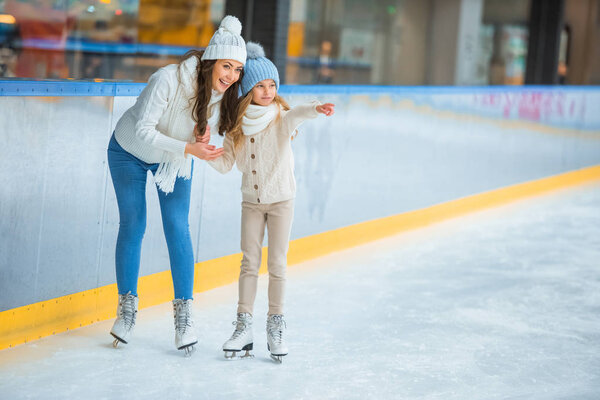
266,159
159,125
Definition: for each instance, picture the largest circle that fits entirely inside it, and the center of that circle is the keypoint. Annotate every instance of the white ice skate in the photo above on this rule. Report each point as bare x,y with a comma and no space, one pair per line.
275,343
241,339
126,313
185,338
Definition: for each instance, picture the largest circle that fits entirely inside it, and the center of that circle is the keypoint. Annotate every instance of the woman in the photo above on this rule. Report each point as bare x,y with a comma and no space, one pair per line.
165,126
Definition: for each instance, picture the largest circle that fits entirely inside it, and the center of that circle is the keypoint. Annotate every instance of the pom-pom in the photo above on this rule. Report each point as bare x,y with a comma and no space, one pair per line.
254,50
231,24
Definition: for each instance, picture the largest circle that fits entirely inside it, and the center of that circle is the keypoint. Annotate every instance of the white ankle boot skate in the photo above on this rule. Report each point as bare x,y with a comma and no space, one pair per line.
241,339
275,343
185,337
126,314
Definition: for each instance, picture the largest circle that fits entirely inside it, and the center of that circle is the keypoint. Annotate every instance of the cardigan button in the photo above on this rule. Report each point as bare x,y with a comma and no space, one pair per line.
252,156
251,140
253,172
258,200
255,186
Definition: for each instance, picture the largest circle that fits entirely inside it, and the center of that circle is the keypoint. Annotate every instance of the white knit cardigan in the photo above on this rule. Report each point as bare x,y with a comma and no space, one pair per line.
158,126
266,159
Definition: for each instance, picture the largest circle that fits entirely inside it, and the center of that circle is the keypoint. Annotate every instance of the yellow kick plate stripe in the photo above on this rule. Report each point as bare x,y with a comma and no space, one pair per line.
34,321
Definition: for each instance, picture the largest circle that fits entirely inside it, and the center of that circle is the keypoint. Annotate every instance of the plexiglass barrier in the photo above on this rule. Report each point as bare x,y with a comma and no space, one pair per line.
386,151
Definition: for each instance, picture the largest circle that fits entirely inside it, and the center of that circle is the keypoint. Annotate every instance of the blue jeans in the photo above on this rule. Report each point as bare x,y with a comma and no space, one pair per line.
129,179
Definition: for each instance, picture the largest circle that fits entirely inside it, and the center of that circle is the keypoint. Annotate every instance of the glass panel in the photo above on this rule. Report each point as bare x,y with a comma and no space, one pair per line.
503,42
340,41
101,39
408,42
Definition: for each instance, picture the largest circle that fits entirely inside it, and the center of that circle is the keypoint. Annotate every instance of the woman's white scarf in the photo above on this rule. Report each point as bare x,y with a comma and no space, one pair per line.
257,118
176,165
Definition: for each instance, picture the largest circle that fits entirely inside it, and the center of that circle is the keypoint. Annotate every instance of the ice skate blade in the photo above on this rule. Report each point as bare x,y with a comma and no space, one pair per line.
277,359
187,345
188,350
117,340
232,355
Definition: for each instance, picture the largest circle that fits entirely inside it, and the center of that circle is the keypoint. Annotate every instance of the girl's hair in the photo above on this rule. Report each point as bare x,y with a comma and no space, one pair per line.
236,132
229,103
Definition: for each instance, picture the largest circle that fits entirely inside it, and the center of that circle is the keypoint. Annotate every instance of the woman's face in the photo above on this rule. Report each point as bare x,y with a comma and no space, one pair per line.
225,73
264,92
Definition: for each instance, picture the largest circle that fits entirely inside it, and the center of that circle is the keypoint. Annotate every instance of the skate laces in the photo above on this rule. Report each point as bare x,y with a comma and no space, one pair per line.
127,310
275,327
183,315
240,326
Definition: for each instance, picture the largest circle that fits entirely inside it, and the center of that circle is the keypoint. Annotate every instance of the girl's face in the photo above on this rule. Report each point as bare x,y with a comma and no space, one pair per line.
225,73
264,92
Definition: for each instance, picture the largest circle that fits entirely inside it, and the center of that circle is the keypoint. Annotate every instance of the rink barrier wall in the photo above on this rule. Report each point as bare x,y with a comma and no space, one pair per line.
437,150
35,321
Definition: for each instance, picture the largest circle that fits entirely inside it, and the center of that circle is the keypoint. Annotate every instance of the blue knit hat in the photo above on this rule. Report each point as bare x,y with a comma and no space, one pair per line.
257,68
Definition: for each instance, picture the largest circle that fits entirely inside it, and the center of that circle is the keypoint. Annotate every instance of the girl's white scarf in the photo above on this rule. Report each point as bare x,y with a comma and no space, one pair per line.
257,118
177,165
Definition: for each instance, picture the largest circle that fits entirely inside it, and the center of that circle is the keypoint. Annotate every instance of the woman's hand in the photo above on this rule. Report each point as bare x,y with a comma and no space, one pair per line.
328,109
201,148
203,151
202,138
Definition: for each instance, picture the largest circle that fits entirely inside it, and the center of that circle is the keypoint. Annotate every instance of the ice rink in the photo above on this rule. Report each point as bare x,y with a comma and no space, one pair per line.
500,304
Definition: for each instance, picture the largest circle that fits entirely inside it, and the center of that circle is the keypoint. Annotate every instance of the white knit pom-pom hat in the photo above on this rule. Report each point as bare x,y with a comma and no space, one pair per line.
227,42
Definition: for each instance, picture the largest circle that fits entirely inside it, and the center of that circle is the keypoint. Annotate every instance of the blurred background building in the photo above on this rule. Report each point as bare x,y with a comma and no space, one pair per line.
381,42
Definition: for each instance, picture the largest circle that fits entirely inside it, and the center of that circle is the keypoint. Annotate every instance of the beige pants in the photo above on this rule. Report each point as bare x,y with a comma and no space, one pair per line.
278,219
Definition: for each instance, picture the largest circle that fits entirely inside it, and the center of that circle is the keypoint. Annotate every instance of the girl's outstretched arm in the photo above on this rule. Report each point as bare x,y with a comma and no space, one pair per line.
294,117
224,164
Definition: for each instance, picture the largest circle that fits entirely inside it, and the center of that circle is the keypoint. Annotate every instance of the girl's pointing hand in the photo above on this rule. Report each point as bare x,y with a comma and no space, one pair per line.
328,109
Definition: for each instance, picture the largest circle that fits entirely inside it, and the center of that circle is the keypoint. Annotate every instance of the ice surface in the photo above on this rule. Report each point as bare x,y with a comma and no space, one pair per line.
501,304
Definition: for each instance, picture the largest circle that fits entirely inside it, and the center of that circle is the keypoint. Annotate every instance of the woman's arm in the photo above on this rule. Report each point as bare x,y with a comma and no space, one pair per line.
154,100
225,163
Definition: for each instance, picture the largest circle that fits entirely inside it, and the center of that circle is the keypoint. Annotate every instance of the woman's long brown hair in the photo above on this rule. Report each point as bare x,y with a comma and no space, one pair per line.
236,132
230,100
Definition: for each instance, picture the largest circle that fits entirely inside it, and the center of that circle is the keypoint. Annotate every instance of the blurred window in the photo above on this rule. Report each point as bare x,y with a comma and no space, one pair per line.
381,42
341,41
503,44
408,42
101,39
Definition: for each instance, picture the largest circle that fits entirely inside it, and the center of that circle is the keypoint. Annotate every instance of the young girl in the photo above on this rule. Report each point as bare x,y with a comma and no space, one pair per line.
158,134
259,143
